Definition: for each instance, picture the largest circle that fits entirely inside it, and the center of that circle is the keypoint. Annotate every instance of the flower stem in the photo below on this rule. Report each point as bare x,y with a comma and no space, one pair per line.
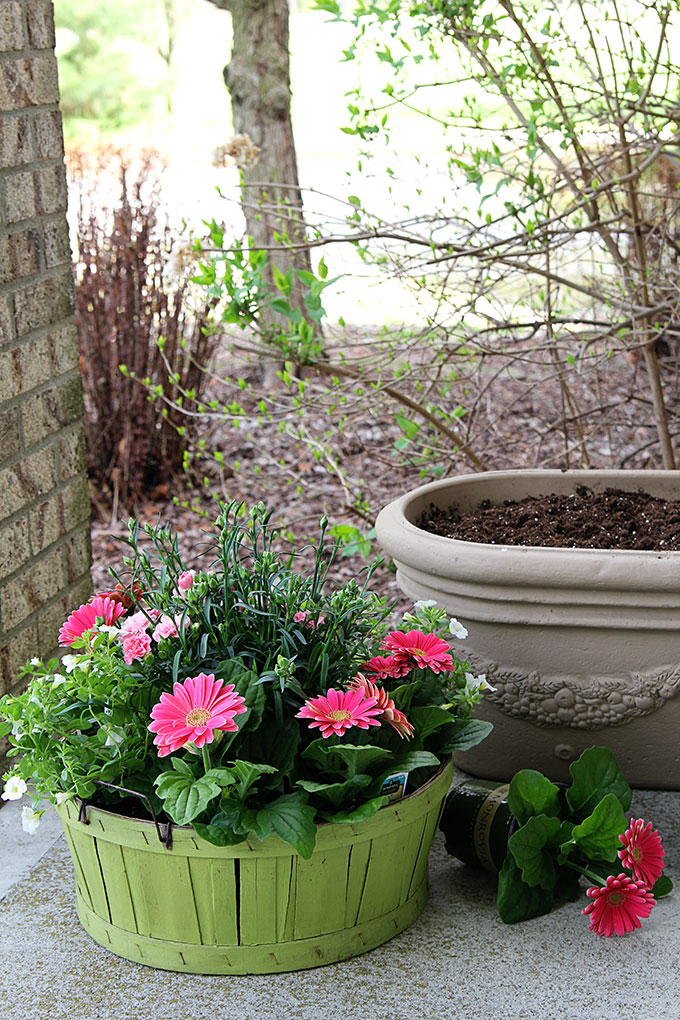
585,871
206,757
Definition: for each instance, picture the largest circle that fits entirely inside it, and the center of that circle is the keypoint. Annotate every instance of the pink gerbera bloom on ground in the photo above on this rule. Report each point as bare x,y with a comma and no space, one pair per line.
387,667
390,714
422,650
104,609
643,853
193,711
617,906
338,710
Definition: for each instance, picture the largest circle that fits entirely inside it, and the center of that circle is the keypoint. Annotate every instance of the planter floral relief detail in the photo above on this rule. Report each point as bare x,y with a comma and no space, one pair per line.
261,713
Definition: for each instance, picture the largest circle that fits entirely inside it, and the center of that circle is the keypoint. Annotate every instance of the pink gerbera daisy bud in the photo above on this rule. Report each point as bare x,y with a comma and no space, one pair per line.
100,609
617,906
643,853
387,667
419,650
192,713
384,702
338,710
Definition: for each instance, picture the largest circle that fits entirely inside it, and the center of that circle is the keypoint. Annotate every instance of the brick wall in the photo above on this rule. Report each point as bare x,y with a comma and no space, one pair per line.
44,506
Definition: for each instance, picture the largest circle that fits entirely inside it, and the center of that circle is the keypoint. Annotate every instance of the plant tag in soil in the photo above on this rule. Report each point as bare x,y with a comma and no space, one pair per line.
394,786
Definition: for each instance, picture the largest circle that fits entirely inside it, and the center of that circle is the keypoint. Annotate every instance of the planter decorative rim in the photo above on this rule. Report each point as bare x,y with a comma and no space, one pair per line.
257,907
515,565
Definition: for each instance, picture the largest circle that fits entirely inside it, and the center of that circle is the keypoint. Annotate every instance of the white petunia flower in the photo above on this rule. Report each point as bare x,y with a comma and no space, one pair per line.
58,679
35,661
30,820
15,788
69,662
61,797
424,604
17,729
477,683
113,736
105,628
457,628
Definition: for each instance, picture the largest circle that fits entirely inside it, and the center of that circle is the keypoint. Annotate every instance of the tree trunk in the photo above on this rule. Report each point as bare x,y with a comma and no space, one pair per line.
258,80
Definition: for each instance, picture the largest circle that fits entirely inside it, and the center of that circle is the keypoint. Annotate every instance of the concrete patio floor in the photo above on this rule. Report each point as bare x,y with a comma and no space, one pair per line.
457,962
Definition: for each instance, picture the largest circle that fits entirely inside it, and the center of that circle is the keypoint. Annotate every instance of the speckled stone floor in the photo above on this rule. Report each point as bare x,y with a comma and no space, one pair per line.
457,962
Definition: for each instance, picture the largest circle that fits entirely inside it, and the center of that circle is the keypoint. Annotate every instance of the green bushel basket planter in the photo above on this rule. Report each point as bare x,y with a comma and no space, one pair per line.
258,907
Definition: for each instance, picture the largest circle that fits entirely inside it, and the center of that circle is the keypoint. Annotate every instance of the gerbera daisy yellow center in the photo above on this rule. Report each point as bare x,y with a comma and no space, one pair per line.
197,717
339,715
635,853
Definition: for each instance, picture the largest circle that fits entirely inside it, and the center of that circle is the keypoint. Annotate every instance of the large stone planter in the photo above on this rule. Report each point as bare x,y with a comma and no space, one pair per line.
583,646
254,908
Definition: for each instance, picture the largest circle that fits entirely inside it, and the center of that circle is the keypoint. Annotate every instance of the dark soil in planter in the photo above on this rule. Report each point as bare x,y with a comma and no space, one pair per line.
581,520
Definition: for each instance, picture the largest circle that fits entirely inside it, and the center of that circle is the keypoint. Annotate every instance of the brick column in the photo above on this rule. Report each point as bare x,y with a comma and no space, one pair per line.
44,506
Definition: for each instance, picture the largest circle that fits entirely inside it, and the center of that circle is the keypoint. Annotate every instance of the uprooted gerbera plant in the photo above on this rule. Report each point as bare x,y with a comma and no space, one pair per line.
565,832
247,698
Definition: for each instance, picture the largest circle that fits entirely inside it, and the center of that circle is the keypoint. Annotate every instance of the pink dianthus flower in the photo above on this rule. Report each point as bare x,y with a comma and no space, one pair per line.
167,627
136,646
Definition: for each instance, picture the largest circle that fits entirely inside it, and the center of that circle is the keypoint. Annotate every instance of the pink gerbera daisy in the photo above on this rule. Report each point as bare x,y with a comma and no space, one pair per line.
390,714
422,650
102,609
193,711
338,710
643,853
617,906
387,667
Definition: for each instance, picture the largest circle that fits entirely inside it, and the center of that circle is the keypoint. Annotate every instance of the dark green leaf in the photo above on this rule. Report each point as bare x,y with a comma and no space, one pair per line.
464,734
428,719
516,900
292,819
662,887
598,835
358,814
184,798
530,847
218,835
532,794
595,774
336,793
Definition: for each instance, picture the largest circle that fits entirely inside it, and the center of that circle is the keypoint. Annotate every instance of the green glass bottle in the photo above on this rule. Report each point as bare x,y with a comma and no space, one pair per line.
477,823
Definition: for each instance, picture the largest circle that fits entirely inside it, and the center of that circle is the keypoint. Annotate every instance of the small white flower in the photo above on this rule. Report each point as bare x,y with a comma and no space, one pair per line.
477,683
69,662
457,628
35,662
113,737
424,604
105,628
17,729
15,788
58,679
30,820
61,797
